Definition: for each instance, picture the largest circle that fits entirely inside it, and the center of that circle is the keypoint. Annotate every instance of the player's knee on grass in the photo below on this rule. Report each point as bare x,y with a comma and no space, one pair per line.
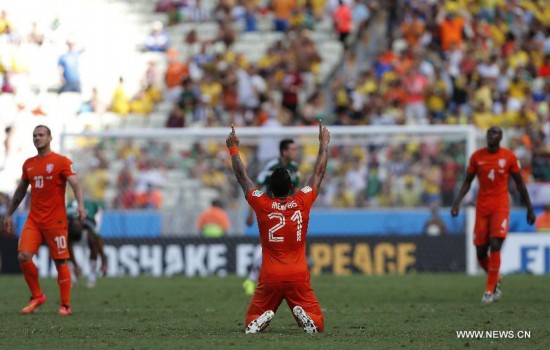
319,321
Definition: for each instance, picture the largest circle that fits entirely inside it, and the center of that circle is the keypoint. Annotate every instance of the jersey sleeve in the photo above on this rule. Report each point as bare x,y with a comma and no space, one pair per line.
24,175
472,165
67,168
256,198
308,196
515,167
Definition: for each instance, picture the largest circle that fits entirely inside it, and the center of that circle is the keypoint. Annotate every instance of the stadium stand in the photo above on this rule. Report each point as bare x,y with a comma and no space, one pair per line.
405,63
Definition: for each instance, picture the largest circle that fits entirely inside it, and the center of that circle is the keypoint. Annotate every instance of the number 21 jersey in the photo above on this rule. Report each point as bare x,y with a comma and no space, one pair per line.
283,228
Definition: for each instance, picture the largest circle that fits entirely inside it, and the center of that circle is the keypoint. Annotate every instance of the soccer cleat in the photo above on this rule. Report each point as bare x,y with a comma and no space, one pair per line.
249,286
260,323
497,293
487,297
33,304
64,310
305,321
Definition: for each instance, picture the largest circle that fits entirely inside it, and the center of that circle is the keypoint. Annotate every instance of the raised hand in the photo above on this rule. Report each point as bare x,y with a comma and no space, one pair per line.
232,140
324,134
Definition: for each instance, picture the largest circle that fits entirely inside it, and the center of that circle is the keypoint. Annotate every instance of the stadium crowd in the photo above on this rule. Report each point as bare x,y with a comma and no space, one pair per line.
438,62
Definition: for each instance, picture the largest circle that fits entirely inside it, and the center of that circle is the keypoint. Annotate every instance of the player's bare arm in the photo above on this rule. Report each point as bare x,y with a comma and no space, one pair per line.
18,196
322,159
463,190
531,217
238,167
73,181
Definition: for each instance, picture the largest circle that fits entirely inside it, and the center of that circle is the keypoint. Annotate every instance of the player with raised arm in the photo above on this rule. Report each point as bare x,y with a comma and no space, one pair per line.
283,222
48,174
288,154
493,166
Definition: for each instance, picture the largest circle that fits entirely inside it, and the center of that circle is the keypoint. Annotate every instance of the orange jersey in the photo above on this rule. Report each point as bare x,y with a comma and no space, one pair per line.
283,229
48,179
493,172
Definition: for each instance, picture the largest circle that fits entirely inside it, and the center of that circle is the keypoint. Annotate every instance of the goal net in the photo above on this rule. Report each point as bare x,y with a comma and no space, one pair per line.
178,172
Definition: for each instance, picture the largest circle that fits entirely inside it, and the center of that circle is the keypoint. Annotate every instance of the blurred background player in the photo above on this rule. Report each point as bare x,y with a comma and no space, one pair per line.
214,221
89,228
47,173
288,157
493,165
543,220
283,220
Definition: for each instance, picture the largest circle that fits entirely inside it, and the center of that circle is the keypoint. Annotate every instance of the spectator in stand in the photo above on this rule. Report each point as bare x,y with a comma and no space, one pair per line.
416,86
69,69
407,191
342,17
451,25
125,197
290,85
176,118
283,10
157,40
250,16
195,12
151,198
412,29
176,72
5,22
361,14
120,103
214,221
94,104
343,198
544,69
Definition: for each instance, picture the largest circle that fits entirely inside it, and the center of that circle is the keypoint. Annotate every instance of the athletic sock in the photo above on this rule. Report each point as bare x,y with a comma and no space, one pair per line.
31,276
64,282
93,271
484,263
493,271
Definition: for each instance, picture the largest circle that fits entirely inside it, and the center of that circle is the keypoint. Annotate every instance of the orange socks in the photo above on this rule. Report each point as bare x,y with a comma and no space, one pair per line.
493,271
31,276
64,282
484,263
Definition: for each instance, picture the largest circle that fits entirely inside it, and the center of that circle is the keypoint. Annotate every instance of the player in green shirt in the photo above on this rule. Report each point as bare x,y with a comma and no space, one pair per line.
288,151
95,242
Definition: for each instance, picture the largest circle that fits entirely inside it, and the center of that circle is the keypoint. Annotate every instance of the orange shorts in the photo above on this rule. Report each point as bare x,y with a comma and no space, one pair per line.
56,238
492,225
268,296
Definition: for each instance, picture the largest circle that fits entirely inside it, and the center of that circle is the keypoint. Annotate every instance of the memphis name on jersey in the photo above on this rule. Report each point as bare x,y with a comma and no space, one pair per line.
283,207
279,206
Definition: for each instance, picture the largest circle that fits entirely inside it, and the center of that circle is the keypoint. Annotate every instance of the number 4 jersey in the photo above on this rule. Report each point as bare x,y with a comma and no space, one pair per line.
48,179
493,171
283,228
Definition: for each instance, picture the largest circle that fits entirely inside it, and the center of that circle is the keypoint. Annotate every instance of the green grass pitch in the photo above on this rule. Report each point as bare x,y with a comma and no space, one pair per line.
386,312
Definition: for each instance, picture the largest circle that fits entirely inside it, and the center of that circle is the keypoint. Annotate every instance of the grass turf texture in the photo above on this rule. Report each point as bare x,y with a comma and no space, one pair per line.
413,311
